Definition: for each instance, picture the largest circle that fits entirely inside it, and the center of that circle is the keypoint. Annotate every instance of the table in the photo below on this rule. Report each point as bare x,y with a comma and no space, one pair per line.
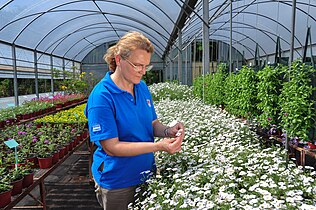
39,178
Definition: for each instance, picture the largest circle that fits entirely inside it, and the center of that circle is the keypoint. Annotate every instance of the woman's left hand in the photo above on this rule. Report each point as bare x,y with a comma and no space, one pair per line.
176,130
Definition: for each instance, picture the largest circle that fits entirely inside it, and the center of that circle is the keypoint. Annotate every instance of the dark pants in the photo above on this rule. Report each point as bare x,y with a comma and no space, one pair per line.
117,199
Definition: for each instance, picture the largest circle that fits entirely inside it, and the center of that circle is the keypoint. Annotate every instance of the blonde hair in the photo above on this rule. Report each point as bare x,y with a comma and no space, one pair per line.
130,41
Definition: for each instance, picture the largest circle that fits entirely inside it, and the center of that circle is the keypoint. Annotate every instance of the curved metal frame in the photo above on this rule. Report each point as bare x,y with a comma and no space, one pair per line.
100,12
219,11
60,40
256,14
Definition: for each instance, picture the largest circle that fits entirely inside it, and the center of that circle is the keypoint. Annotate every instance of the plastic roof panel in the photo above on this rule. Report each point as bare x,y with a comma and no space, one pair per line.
71,28
255,22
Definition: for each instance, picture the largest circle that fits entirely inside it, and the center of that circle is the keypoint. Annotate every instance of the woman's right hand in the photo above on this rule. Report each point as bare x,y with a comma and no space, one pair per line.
172,145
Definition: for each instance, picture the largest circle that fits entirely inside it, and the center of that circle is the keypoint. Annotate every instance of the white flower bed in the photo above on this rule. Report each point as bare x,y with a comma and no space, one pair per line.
223,166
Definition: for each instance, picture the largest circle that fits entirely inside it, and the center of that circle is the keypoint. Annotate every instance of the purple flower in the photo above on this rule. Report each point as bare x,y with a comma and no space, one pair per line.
34,140
21,132
294,141
46,141
269,119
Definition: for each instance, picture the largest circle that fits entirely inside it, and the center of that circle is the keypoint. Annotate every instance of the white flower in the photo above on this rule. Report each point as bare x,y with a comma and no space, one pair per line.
242,190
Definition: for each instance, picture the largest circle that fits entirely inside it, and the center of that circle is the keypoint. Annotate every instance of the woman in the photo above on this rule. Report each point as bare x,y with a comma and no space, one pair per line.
123,122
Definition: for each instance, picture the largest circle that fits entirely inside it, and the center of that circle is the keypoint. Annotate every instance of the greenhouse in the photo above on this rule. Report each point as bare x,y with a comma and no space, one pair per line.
158,104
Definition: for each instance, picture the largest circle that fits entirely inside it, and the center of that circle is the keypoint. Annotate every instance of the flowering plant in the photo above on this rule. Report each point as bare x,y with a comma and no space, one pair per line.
45,147
223,166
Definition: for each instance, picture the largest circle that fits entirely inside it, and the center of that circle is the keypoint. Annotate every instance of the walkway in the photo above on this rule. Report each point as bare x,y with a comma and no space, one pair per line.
68,187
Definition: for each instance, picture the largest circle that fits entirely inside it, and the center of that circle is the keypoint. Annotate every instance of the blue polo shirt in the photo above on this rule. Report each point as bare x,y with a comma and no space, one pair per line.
111,113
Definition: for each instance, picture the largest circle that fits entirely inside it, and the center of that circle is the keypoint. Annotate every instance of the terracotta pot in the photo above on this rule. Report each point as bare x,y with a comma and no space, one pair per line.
45,162
28,180
59,106
71,146
55,157
17,187
33,160
61,153
5,198
78,138
67,149
85,134
76,142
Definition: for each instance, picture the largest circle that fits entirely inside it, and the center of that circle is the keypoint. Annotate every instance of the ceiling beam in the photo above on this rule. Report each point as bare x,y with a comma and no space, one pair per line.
185,12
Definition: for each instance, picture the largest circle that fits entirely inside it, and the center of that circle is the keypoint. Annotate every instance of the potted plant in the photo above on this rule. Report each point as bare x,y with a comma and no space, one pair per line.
44,150
28,173
5,194
15,178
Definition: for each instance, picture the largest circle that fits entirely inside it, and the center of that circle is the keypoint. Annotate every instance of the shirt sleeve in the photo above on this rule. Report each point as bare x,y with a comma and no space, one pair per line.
100,112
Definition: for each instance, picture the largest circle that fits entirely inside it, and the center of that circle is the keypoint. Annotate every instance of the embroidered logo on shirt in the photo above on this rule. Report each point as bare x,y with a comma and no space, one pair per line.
96,128
148,102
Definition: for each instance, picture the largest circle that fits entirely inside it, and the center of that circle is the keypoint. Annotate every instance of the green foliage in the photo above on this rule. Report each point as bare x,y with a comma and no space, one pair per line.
75,82
269,88
4,187
231,93
151,77
13,175
4,87
241,93
198,87
215,84
297,112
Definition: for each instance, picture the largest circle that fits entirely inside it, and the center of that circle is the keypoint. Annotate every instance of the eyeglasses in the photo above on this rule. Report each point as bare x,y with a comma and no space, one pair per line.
139,67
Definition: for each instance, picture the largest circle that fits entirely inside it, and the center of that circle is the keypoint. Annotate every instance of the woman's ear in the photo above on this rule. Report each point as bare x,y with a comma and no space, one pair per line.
117,60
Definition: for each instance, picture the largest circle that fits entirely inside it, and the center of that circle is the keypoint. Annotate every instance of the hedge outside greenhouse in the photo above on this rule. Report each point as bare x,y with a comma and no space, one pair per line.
164,104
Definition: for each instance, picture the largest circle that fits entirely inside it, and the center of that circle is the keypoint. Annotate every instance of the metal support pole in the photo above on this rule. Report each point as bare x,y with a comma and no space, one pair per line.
73,69
194,58
286,148
164,70
171,71
185,79
64,68
36,75
190,67
206,39
231,37
52,74
180,79
292,31
15,77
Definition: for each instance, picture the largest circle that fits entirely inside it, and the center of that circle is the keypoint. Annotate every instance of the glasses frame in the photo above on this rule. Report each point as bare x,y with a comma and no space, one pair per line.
136,67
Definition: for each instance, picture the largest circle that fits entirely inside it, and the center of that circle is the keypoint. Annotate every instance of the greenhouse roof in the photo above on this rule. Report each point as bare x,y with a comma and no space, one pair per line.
72,28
